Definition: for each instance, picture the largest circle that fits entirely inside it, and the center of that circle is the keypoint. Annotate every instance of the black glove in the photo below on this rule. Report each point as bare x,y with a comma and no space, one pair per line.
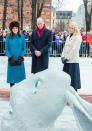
64,60
12,61
20,59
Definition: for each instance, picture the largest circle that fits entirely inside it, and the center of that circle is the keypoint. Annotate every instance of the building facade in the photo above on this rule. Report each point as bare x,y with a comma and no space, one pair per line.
12,13
63,18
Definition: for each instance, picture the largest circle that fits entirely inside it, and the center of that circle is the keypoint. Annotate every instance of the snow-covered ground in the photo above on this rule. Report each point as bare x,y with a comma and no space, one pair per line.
55,63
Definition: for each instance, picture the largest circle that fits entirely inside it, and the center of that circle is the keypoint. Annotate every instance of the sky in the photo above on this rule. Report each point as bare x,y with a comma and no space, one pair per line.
70,4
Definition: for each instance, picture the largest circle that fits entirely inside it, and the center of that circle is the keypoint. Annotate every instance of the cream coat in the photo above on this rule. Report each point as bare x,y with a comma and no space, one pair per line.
71,49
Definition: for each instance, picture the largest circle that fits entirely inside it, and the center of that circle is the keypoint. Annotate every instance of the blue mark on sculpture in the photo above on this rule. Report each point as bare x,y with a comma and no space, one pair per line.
36,87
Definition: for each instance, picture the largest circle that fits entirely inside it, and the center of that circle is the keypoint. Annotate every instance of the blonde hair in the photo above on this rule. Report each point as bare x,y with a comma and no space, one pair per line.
75,26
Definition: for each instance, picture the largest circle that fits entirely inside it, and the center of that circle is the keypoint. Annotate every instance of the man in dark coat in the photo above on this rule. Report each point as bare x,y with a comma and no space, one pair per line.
40,42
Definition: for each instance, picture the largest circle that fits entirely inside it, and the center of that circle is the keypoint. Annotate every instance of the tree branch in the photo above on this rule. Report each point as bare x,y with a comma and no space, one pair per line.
40,5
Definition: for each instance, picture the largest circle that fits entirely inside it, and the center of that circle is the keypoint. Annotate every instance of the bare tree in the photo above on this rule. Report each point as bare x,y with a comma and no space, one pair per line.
37,7
22,4
88,14
18,6
34,10
40,4
4,14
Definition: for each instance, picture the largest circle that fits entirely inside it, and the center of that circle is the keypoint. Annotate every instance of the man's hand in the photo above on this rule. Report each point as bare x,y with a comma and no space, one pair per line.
37,53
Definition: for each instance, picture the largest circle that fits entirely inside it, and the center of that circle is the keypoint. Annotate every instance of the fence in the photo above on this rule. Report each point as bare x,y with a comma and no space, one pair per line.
55,49
2,48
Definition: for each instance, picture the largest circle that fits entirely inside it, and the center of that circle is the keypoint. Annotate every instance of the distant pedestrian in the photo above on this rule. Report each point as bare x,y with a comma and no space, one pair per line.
89,43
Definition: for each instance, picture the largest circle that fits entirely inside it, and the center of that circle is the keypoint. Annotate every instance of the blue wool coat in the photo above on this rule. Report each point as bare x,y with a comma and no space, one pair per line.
42,44
15,47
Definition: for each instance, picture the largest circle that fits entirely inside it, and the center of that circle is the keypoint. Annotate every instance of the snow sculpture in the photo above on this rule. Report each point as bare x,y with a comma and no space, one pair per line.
39,100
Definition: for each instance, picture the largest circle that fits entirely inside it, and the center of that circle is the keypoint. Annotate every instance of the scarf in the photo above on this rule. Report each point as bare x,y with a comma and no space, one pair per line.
41,31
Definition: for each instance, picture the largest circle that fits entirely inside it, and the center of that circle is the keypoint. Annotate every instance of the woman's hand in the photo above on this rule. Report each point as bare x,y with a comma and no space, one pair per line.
64,60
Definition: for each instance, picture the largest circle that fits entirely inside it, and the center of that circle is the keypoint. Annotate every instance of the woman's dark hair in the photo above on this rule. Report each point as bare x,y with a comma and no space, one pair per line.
12,25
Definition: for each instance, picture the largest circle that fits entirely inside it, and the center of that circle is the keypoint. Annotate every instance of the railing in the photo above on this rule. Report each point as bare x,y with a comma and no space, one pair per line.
54,51
84,50
2,48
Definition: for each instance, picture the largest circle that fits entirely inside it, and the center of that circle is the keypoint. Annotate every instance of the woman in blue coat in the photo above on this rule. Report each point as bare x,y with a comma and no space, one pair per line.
15,47
40,42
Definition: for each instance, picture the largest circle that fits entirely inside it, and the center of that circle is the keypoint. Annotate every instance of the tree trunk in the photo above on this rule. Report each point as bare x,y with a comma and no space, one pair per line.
87,16
90,16
22,4
37,7
18,4
40,5
4,14
34,10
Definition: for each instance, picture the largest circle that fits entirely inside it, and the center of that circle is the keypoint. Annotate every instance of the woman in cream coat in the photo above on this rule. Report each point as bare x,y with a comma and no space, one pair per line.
70,55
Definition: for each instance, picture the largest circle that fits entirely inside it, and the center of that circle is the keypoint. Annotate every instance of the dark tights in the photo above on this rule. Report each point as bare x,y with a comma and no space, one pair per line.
12,84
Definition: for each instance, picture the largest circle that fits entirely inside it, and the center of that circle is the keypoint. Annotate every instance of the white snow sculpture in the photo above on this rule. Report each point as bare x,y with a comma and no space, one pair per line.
38,101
